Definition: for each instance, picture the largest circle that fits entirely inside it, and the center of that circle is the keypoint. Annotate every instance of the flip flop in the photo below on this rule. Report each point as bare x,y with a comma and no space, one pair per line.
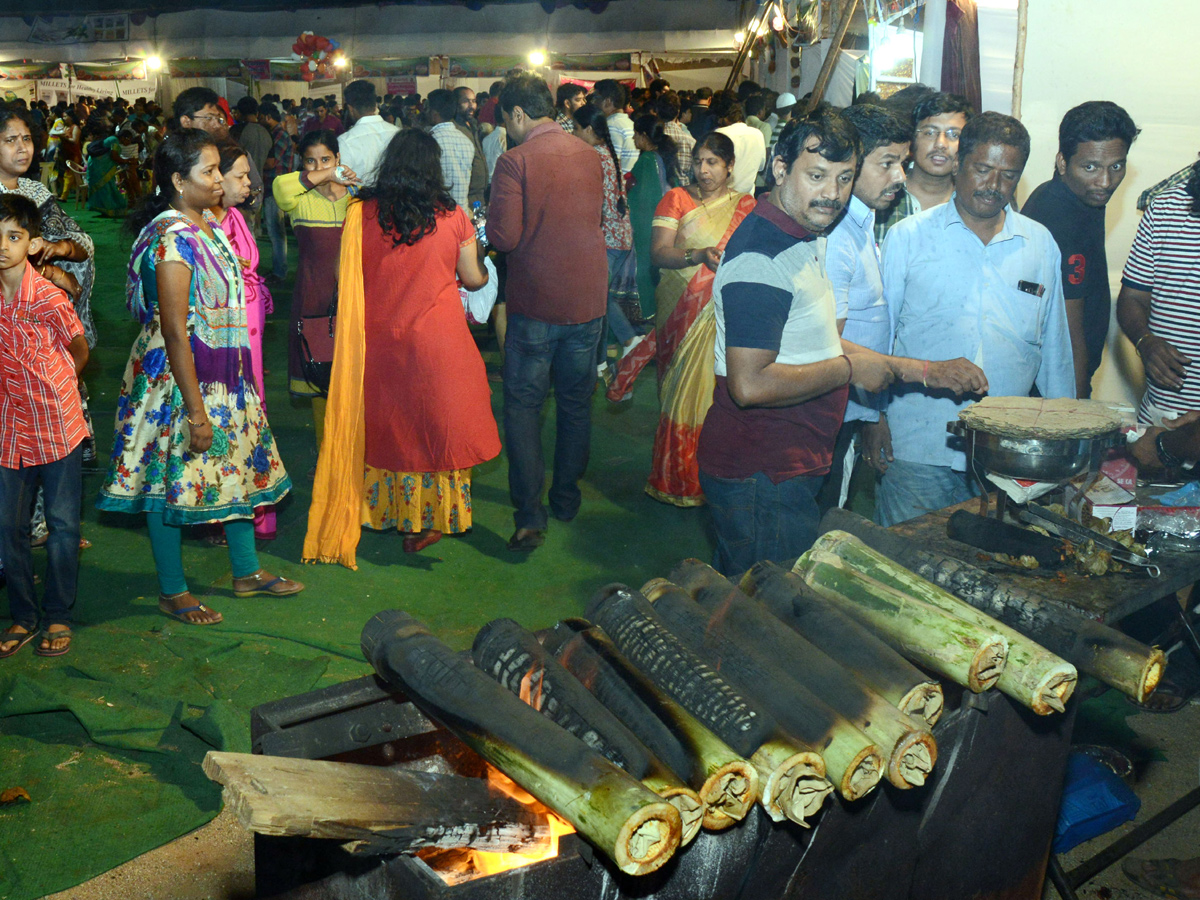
267,588
181,614
21,637
1160,876
54,636
528,543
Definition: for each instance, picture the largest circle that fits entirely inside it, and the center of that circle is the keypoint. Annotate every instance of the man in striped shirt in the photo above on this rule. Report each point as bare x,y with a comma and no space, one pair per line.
1159,298
42,430
668,108
458,152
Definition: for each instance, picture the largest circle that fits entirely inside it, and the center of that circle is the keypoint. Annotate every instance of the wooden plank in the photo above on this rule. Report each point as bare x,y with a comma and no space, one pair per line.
1106,598
830,61
380,810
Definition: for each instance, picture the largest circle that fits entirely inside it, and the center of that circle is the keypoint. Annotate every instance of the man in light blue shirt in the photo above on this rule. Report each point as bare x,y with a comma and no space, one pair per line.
852,265
363,145
968,278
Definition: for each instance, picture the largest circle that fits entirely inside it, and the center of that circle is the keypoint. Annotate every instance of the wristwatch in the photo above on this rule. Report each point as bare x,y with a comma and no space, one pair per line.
1164,455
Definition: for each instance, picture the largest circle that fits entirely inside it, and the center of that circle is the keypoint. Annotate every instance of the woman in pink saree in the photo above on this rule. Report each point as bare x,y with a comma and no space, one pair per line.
235,172
690,229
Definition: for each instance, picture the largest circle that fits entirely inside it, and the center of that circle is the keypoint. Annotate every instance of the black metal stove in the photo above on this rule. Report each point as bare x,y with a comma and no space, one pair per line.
980,829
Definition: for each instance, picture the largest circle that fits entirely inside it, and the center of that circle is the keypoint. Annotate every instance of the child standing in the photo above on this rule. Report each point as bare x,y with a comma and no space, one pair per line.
42,352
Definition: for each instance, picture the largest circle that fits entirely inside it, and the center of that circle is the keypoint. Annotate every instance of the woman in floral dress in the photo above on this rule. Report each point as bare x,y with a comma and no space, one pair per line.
192,443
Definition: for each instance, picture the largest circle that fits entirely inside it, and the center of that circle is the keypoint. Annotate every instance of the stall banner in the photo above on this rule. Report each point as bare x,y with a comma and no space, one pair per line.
72,29
630,83
53,90
290,71
484,66
591,62
28,71
258,69
386,68
92,89
133,88
204,68
110,71
401,84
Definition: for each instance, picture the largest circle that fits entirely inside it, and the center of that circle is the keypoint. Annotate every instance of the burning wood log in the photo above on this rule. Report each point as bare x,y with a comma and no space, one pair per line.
791,774
1033,675
727,783
374,809
515,658
873,661
1093,648
629,823
739,637
944,644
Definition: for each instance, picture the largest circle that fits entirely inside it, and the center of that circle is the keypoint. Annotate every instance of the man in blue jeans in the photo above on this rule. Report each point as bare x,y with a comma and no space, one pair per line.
547,193
281,161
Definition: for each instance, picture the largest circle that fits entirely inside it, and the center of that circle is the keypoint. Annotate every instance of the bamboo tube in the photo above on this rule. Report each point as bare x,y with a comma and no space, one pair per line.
872,660
726,783
513,656
925,634
739,637
631,825
1033,676
791,774
1092,647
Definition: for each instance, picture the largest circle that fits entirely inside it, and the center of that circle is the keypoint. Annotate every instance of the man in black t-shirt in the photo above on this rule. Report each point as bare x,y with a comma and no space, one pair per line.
1093,140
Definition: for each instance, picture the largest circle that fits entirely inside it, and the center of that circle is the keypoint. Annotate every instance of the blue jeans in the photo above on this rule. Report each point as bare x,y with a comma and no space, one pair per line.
62,484
277,231
534,353
757,519
910,489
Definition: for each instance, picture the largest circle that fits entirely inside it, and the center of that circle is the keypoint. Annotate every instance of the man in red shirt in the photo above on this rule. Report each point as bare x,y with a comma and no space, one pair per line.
41,432
547,193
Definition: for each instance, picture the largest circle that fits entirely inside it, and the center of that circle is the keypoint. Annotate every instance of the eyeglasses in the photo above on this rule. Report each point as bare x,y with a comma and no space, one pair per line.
952,134
221,120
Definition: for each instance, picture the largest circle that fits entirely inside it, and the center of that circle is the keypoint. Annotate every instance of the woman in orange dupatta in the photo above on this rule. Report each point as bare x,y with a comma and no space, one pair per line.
409,409
691,226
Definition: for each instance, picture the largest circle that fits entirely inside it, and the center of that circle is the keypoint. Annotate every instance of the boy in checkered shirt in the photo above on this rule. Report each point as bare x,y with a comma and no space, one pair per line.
42,352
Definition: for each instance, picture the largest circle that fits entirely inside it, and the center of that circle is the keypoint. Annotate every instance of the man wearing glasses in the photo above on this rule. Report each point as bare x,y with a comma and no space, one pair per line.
199,107
938,122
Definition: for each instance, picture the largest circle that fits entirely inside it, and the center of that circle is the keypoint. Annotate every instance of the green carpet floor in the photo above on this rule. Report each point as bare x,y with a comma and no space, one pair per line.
107,741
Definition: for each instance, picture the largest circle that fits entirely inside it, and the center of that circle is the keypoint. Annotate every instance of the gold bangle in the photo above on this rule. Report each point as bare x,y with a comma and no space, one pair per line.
1137,347
188,419
687,257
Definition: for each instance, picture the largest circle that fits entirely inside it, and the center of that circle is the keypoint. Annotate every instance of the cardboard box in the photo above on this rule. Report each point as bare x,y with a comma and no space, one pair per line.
1105,500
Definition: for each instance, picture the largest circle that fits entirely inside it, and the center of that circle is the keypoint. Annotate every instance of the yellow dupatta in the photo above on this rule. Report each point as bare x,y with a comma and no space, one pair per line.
335,516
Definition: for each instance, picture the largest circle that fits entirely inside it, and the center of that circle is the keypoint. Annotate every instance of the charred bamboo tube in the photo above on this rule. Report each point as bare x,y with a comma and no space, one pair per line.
873,661
792,781
1092,647
927,636
513,656
737,636
630,824
1033,676
727,783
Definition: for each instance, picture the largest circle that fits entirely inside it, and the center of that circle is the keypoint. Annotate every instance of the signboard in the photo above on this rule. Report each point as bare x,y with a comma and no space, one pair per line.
110,71
383,68
401,84
591,62
484,66
79,29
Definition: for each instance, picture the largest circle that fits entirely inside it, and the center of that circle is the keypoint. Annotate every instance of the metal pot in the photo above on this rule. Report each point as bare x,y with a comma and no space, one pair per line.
1035,459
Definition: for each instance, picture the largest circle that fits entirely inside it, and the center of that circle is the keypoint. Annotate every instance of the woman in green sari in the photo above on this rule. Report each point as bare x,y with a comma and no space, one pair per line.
104,186
654,173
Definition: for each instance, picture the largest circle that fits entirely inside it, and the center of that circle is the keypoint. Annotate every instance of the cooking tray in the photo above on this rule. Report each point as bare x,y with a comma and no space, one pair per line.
1034,459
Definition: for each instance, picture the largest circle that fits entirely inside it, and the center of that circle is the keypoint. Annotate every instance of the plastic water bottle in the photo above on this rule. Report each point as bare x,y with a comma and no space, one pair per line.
479,220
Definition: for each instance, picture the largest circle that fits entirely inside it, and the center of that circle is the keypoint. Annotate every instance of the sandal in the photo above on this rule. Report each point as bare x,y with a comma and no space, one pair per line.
21,637
50,637
180,613
1163,877
414,543
267,585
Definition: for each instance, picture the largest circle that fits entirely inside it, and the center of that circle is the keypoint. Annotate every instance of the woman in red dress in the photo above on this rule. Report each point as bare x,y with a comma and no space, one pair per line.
409,408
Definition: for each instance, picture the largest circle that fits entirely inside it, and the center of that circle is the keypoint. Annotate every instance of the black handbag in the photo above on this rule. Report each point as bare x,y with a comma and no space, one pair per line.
315,334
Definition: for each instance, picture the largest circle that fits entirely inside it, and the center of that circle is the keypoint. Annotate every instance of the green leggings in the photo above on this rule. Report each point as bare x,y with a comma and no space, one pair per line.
166,543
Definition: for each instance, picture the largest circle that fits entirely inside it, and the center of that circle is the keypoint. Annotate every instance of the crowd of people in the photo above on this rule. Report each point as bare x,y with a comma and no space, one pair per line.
814,287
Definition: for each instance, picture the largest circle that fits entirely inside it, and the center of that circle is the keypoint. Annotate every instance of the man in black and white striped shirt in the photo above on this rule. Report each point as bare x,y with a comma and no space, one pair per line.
1159,304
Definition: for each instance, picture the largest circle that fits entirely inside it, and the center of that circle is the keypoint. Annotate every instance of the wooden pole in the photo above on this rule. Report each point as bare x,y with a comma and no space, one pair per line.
827,66
1019,60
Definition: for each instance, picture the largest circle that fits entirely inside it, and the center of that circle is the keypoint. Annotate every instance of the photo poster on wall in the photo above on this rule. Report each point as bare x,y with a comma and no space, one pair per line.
403,85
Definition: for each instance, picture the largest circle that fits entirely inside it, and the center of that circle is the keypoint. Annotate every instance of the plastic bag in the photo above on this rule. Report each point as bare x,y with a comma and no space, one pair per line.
478,304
